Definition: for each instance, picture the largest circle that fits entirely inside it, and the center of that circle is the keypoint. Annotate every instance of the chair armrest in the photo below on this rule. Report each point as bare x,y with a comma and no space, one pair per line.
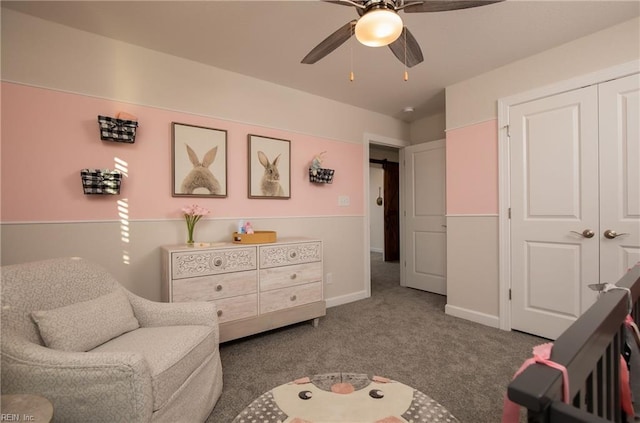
151,313
80,385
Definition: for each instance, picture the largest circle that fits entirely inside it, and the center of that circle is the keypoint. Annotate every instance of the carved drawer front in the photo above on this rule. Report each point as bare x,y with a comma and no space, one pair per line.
234,308
281,255
207,288
297,274
186,264
279,299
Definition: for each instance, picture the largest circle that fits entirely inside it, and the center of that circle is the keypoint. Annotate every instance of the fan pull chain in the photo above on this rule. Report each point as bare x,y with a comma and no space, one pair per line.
351,76
406,74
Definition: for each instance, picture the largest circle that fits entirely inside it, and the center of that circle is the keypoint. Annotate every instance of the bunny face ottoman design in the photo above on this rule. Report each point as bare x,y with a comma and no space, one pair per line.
344,397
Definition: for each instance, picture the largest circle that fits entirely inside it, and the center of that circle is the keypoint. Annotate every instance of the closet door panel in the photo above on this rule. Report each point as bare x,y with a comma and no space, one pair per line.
554,210
619,133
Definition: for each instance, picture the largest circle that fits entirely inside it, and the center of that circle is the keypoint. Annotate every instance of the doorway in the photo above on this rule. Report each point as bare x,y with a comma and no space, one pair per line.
384,210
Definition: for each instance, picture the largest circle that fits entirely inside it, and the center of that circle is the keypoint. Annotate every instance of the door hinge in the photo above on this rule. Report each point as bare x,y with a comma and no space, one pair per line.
508,130
509,212
509,294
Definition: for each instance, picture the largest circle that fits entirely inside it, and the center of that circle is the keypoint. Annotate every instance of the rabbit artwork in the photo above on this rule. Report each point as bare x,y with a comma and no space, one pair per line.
200,176
270,184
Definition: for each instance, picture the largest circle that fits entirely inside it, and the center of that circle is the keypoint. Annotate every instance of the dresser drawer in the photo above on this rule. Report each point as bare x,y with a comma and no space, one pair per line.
207,288
235,308
186,264
279,299
297,274
285,254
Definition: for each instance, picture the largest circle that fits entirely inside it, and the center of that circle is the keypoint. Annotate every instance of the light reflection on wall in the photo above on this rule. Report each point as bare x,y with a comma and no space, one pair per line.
121,165
123,213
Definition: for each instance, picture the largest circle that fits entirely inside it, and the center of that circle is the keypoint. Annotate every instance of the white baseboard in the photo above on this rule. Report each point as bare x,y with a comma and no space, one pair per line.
345,299
474,316
377,250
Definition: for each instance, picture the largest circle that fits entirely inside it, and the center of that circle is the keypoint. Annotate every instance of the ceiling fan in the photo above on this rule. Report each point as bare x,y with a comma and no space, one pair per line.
380,25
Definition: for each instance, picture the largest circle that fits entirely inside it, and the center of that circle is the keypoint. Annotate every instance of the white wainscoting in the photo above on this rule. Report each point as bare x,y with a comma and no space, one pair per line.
134,259
472,268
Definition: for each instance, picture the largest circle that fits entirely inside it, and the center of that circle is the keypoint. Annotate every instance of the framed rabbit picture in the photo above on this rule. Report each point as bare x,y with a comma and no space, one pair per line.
269,167
199,161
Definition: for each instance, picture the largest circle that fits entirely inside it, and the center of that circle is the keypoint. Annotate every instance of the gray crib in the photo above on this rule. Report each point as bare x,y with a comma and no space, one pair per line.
590,350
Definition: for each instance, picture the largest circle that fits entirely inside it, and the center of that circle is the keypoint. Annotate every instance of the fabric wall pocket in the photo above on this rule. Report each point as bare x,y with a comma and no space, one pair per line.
120,129
321,175
101,181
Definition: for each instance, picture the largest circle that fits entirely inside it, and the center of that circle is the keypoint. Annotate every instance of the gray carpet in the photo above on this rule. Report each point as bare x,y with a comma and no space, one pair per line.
399,333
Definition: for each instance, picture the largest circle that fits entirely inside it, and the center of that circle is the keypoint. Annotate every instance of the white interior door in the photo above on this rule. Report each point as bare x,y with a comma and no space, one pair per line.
619,176
554,210
425,230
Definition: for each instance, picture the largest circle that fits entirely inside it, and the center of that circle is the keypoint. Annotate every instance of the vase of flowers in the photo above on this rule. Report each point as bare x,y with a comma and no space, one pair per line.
192,214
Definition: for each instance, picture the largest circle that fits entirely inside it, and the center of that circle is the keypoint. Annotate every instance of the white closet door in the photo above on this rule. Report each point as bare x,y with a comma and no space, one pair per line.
554,210
619,176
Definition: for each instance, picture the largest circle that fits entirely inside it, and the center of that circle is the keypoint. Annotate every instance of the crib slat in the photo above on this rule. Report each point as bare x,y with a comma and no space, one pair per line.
600,390
589,396
608,397
617,350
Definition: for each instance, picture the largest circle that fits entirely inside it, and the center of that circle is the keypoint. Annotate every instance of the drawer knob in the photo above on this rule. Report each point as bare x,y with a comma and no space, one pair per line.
217,262
219,313
293,254
219,288
293,298
295,275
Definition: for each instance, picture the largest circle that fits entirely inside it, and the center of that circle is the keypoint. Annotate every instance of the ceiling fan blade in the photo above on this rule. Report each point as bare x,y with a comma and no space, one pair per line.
356,3
444,5
330,43
413,52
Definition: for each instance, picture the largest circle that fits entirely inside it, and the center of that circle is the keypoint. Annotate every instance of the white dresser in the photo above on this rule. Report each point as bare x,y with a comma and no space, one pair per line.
256,287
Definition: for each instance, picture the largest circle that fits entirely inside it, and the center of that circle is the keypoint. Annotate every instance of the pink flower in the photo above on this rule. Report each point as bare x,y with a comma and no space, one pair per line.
195,210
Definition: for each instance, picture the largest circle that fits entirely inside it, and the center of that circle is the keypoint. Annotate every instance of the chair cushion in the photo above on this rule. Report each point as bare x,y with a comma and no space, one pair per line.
87,324
173,353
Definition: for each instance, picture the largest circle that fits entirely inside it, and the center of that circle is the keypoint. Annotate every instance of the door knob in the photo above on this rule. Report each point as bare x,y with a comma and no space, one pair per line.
587,233
611,234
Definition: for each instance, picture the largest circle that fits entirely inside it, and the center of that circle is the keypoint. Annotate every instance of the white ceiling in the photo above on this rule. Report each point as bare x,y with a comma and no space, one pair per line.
267,40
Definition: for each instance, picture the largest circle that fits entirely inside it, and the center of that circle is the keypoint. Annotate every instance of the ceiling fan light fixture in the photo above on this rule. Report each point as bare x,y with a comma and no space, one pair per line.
379,27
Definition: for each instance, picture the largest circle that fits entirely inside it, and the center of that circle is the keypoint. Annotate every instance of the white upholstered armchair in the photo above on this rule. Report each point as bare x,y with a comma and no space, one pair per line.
73,334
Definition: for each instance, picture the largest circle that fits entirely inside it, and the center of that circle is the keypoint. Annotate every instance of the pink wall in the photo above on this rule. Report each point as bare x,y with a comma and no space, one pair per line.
48,136
472,169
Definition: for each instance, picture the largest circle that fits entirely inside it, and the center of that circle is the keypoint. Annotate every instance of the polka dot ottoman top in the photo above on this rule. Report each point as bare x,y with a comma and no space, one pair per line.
344,397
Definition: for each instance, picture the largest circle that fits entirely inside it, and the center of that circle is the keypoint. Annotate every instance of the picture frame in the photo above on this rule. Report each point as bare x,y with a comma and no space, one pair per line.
198,161
269,167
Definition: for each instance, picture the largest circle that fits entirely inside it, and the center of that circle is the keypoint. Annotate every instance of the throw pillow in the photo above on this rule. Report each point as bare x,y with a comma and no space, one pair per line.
85,325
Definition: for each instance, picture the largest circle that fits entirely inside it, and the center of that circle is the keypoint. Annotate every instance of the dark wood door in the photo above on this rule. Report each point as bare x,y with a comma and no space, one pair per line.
391,211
